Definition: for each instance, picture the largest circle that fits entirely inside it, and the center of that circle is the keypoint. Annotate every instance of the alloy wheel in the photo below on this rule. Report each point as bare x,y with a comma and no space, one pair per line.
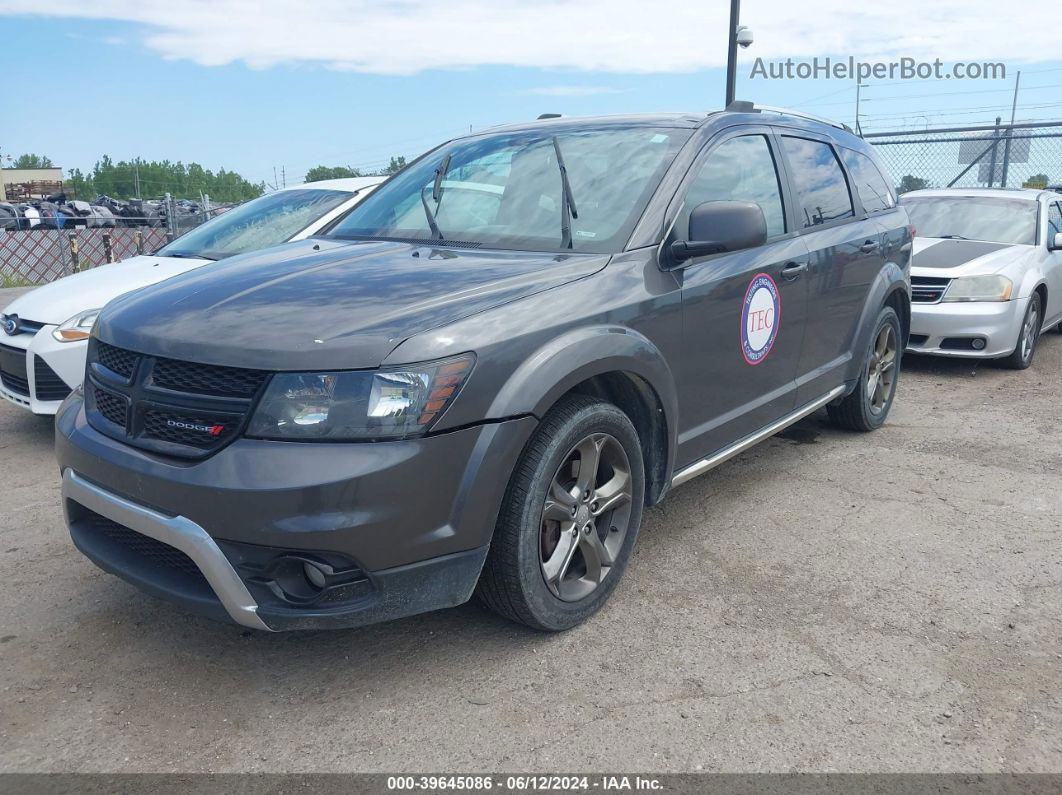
1028,333
881,371
586,517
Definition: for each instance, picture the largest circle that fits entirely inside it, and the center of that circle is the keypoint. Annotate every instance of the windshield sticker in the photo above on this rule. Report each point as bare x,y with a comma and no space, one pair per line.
760,318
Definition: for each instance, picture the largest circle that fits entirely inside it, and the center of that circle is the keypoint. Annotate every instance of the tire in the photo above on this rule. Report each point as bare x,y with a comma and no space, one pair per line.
1028,335
533,540
868,405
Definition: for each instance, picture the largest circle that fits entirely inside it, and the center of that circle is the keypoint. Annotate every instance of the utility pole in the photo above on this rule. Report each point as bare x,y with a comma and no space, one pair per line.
859,86
731,53
283,177
1010,132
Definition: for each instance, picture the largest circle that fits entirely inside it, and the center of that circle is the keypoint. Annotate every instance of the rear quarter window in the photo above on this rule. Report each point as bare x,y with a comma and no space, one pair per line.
873,188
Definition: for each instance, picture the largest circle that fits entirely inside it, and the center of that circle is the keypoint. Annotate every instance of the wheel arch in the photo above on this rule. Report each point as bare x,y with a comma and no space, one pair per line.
889,288
613,363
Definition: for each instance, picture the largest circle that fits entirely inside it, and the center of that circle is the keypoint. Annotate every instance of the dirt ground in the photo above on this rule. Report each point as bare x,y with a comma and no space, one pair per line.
826,601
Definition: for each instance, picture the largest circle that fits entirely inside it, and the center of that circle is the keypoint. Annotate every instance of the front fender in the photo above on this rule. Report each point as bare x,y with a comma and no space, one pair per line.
579,354
890,279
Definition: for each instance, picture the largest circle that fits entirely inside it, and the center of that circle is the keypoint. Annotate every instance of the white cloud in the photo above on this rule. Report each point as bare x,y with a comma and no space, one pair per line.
623,36
570,91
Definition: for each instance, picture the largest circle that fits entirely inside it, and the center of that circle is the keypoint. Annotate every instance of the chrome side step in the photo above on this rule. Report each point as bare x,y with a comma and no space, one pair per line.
705,464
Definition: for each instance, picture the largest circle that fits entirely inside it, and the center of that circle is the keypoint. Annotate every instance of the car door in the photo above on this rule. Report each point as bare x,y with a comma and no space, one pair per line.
743,312
1053,266
846,253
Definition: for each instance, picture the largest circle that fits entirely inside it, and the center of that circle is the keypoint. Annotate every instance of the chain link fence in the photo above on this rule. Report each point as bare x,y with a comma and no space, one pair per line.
993,156
39,249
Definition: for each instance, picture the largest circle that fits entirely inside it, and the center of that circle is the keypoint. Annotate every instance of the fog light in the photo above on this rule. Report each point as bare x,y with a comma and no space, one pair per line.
978,344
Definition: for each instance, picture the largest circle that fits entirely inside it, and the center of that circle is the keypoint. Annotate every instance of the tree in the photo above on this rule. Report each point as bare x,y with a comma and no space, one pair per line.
33,161
317,173
152,179
910,183
1037,181
396,165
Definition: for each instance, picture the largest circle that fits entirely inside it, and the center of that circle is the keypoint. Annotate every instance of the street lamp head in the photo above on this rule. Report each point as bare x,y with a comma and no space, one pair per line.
744,37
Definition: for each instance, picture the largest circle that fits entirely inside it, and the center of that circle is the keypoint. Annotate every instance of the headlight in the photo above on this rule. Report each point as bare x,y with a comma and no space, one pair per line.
79,327
360,404
979,288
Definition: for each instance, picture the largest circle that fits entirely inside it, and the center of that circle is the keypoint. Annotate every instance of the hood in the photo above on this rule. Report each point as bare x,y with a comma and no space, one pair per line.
952,258
326,304
62,299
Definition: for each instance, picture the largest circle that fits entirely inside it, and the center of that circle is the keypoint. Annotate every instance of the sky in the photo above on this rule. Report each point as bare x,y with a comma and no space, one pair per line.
257,86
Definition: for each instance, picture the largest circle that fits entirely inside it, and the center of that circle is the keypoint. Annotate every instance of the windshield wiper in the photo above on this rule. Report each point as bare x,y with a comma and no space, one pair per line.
185,255
568,211
436,194
953,237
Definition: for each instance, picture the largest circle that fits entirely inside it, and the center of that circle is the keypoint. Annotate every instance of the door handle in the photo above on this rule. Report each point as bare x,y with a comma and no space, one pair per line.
869,246
792,270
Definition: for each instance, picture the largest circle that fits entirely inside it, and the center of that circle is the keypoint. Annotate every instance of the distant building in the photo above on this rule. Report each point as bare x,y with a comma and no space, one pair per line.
20,184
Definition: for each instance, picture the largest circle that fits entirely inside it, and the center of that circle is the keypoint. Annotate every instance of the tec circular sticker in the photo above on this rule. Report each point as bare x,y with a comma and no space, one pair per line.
761,316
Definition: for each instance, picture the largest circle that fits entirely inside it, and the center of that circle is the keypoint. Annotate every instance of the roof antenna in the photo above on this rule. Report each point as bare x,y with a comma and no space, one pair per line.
549,116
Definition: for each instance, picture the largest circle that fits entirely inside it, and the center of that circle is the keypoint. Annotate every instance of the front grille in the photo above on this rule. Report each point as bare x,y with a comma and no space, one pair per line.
48,384
172,407
207,379
147,548
114,408
928,289
115,359
182,428
13,370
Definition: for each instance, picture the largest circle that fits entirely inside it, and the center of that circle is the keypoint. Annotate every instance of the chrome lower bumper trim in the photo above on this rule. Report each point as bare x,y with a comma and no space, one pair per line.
178,532
712,461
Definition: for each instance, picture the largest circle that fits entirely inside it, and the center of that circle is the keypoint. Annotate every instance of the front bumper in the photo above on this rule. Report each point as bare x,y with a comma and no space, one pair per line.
51,368
996,322
408,522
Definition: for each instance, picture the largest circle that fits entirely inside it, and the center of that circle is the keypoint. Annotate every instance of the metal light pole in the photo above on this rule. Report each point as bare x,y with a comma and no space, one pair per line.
731,53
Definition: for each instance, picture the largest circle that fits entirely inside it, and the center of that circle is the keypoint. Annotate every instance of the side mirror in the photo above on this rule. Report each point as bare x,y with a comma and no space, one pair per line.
721,226
1055,244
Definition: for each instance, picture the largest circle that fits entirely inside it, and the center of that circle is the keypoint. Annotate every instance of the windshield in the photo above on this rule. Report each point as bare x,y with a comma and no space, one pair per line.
259,223
507,190
974,218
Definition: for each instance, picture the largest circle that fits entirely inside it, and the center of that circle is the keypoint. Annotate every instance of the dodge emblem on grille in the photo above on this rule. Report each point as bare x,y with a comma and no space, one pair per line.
213,430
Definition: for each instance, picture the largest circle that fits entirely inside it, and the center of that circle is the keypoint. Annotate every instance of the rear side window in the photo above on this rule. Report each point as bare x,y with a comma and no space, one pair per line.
873,190
822,190
741,169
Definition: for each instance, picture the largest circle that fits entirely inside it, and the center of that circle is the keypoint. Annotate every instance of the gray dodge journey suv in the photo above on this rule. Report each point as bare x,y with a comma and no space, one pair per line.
478,379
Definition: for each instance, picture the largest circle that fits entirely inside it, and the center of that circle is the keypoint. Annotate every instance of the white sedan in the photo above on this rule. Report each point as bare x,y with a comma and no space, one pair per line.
45,331
986,280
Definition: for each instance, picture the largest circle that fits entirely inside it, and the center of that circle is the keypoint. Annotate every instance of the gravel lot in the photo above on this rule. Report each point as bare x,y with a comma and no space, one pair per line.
827,601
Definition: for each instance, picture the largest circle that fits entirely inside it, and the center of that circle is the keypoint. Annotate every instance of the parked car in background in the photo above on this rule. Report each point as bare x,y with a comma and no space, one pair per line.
483,374
987,272
44,332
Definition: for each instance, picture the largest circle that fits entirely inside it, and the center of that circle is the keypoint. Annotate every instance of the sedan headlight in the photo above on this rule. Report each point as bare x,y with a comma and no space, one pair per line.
979,288
360,404
79,327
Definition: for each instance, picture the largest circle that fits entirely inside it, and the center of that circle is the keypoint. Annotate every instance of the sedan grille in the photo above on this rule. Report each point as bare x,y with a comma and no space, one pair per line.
47,383
928,289
173,407
13,370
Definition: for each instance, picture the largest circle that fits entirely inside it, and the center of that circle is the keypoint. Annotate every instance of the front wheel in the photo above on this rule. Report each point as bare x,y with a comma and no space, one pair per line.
570,517
867,407
1025,346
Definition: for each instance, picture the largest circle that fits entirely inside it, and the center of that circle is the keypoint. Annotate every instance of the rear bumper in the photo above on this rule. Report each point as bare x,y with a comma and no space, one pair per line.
404,525
51,368
995,322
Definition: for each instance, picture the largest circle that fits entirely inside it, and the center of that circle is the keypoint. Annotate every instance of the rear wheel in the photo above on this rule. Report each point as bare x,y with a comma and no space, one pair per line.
867,407
570,518
1025,346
